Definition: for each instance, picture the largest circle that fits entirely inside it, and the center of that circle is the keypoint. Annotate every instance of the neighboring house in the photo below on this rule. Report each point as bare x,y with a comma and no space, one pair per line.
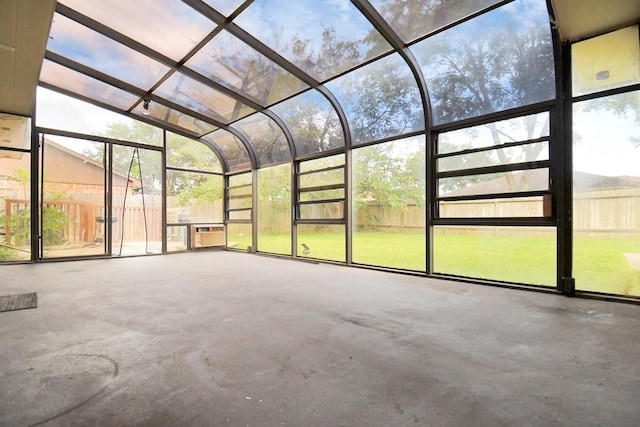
74,184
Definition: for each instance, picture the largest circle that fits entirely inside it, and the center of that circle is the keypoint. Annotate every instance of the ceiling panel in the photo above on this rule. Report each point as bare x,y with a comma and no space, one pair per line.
24,27
579,19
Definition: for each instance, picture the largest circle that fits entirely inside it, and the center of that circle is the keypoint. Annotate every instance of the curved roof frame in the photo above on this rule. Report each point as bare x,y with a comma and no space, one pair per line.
221,23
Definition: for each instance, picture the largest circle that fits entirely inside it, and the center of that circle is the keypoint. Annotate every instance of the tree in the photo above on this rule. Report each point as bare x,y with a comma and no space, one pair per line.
475,73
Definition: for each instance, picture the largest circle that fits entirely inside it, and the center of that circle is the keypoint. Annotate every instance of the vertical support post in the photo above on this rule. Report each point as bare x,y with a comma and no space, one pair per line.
163,214
254,210
348,209
564,142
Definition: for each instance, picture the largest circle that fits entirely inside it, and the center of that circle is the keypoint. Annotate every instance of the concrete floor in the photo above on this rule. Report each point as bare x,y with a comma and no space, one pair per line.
232,339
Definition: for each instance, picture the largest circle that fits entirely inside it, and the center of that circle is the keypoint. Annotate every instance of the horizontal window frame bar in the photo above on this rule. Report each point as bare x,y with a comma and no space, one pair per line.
337,221
493,147
321,188
514,195
321,201
176,169
498,221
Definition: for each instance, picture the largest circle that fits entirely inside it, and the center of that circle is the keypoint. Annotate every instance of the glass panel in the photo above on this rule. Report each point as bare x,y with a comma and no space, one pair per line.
323,37
322,242
274,209
166,26
187,153
512,130
333,210
240,215
177,238
240,191
380,100
165,115
240,202
501,156
57,111
517,207
511,254
70,80
73,202
606,62
15,132
243,179
201,98
232,63
389,213
606,185
79,43
415,18
312,121
500,60
493,183
233,150
239,236
240,196
136,201
329,177
322,195
266,138
15,205
194,197
225,7
321,163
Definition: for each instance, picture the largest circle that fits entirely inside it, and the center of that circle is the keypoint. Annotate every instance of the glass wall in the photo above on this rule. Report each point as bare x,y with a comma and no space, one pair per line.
389,199
73,198
606,194
489,176
606,155
15,188
511,254
274,209
320,208
239,211
15,205
195,187
136,201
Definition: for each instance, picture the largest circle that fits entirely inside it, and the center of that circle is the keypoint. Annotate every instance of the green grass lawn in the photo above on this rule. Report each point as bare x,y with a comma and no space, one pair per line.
599,263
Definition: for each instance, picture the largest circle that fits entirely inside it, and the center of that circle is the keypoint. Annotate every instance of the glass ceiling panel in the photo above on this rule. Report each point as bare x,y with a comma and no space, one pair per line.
186,153
380,100
167,26
497,61
313,122
79,43
231,62
164,115
266,138
322,37
57,111
225,7
233,150
201,98
65,78
415,18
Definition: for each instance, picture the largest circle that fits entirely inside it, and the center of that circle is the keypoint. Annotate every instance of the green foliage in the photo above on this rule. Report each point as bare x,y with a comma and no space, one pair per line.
198,188
388,177
18,224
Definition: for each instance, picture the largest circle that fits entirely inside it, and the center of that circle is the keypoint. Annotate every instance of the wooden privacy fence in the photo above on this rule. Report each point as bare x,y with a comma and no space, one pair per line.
85,221
602,213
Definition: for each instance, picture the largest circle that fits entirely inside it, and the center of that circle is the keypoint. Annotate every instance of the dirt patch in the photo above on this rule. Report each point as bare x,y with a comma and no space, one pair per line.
634,259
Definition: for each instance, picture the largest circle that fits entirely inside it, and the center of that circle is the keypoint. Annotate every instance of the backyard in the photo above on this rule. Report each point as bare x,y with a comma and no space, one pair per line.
600,264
